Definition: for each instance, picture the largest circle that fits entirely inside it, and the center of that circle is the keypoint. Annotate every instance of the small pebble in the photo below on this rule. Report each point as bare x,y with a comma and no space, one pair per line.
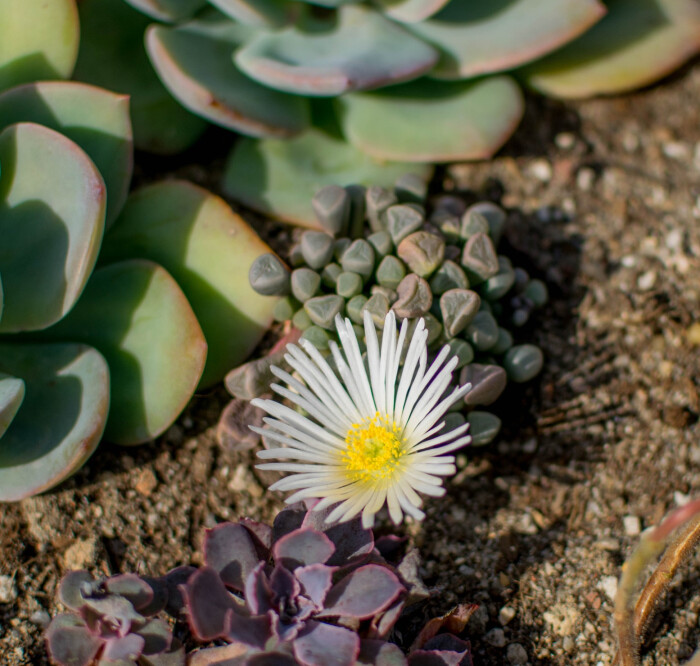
632,524
41,618
506,614
676,150
585,178
608,584
516,654
680,498
674,240
8,590
564,140
496,637
646,280
542,170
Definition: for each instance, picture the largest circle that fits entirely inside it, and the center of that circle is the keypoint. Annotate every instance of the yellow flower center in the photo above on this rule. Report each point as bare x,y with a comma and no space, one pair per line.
374,449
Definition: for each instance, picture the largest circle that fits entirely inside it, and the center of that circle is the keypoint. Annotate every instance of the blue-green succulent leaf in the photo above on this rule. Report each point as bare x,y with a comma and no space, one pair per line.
139,319
11,396
209,250
466,120
61,420
637,43
38,40
112,55
359,49
168,10
195,62
280,178
410,11
259,13
97,120
484,36
52,210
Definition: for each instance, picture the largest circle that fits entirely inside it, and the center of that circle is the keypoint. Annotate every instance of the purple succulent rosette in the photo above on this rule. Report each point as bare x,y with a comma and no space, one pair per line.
299,590
113,623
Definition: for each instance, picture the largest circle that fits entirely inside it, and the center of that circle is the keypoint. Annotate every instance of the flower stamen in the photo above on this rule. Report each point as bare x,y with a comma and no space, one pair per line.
374,449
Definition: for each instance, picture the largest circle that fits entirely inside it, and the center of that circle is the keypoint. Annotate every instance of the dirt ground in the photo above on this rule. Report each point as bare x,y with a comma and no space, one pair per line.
604,203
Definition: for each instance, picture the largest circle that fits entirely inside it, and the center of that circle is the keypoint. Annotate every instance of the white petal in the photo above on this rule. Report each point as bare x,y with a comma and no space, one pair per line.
374,363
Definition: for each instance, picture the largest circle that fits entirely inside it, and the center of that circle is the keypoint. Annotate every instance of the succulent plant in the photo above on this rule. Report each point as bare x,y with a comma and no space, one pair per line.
440,265
113,621
113,310
335,91
304,592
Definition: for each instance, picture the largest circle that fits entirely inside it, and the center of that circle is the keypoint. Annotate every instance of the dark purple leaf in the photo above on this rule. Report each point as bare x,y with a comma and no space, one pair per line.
131,587
157,636
258,595
301,547
363,593
283,584
316,580
390,547
175,656
323,644
208,602
351,540
229,549
71,644
442,650
173,581
380,653
285,631
159,590
261,535
252,631
382,624
70,590
126,647
271,659
288,520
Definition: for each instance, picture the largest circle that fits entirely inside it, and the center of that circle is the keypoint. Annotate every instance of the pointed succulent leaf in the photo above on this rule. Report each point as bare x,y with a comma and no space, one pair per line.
500,284
208,603
305,283
377,201
323,309
458,308
357,49
536,291
402,220
381,242
112,55
486,36
68,385
321,644
468,120
378,306
280,178
168,10
635,44
71,588
52,209
302,547
363,593
133,588
71,645
269,276
332,207
96,120
258,13
194,62
479,258
448,276
316,248
11,396
230,551
483,427
422,252
355,307
414,297
374,652
494,215
349,284
39,40
352,541
523,362
209,250
359,258
488,382
137,316
462,350
411,188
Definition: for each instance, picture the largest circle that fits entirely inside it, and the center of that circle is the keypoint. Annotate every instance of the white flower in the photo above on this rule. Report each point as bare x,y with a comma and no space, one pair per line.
369,439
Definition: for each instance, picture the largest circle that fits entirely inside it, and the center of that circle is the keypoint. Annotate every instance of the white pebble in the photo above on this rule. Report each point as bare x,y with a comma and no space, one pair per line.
585,178
564,140
646,280
542,170
8,590
674,239
632,524
676,149
608,584
506,614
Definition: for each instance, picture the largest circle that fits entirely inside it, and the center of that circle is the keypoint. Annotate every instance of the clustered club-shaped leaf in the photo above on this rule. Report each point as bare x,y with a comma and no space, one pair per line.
112,309
350,91
303,592
387,249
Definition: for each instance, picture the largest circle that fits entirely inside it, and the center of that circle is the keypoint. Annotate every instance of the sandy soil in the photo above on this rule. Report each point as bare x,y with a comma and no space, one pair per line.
604,202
